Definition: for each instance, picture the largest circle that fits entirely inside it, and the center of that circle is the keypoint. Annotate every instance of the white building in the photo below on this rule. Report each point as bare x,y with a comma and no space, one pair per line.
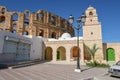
14,47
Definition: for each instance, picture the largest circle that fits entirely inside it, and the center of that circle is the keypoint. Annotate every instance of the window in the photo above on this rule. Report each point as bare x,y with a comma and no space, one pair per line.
3,10
91,13
52,20
14,32
41,17
14,25
62,23
2,19
41,33
91,33
27,14
15,17
25,33
26,22
53,35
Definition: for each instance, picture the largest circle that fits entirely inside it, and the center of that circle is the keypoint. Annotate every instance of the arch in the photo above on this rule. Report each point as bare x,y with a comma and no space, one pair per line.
15,17
91,13
48,53
2,19
14,32
26,22
14,25
61,53
62,23
110,54
3,10
41,17
74,53
53,35
25,33
41,33
27,13
52,20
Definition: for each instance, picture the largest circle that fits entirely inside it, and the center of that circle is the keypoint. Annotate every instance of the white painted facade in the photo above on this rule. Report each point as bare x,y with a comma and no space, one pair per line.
14,47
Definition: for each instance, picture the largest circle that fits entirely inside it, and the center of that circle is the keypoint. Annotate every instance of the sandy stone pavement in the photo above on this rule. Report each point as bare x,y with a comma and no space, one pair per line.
48,71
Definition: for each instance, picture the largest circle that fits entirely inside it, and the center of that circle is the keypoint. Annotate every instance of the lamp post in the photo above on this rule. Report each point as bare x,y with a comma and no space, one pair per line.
79,20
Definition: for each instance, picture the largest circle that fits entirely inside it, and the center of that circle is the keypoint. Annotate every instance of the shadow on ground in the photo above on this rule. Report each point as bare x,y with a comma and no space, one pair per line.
19,64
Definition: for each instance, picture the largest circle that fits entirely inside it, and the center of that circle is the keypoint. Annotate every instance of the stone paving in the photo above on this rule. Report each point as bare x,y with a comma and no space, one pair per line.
48,71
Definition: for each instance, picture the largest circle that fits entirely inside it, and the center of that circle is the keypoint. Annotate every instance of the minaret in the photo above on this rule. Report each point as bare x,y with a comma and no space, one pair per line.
92,33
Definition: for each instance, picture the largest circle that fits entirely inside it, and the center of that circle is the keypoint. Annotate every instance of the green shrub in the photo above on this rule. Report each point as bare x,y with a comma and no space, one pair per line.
102,65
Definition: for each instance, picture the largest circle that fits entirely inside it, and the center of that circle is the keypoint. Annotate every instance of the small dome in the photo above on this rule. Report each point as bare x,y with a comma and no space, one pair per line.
65,35
90,7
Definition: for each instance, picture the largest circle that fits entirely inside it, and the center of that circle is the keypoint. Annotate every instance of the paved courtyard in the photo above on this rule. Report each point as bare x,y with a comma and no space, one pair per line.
48,71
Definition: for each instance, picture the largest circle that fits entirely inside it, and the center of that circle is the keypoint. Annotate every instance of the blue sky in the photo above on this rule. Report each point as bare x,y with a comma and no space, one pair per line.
107,10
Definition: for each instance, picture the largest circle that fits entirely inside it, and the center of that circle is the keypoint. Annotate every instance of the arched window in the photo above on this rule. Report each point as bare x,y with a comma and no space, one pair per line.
53,35
41,17
62,23
2,19
91,13
14,32
3,10
25,33
41,33
52,20
15,17
14,25
26,22
27,14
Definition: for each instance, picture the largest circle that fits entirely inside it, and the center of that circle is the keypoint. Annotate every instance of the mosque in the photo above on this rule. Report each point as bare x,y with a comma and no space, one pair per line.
46,36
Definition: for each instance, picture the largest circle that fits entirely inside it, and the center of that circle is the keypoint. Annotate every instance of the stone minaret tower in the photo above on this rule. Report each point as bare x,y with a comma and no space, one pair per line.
92,33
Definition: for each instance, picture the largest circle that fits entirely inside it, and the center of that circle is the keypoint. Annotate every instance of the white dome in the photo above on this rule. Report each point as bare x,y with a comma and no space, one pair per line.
90,7
65,35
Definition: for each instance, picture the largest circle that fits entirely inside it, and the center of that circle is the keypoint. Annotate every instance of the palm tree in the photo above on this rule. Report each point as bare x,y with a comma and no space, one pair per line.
92,52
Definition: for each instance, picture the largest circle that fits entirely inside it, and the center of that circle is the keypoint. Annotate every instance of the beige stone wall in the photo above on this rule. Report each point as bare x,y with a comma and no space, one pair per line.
39,23
92,34
98,54
68,45
115,46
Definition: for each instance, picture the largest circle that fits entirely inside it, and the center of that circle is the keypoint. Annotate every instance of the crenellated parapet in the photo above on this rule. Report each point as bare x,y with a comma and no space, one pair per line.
40,23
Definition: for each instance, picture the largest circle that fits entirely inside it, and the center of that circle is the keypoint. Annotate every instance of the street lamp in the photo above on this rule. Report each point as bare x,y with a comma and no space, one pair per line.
79,20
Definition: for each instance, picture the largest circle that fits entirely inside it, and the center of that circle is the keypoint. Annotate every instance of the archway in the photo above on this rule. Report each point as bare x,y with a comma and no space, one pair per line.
48,53
41,33
53,35
2,19
74,53
15,17
61,53
110,54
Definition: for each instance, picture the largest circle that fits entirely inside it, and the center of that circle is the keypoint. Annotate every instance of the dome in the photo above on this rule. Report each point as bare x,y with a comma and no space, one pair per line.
65,35
90,7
